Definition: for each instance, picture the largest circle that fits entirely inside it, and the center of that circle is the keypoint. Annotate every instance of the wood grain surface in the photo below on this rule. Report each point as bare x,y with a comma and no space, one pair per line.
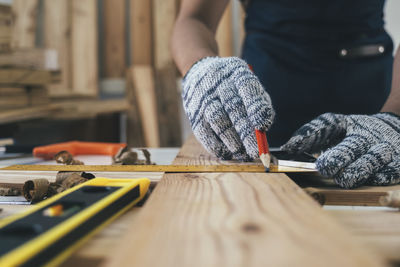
239,219
378,229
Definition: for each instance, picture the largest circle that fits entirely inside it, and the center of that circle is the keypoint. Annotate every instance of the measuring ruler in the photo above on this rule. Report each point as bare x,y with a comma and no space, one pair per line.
157,168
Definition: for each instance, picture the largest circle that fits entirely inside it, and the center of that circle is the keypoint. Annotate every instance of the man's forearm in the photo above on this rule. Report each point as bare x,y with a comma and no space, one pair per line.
393,102
191,41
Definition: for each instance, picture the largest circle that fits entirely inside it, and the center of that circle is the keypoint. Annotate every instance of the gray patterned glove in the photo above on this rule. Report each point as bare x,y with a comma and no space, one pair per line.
363,149
225,102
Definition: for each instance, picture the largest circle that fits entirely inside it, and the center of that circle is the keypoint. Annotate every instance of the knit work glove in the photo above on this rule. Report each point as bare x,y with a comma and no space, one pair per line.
225,103
363,149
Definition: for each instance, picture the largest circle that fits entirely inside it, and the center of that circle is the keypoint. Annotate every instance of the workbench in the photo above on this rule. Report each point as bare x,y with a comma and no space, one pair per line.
235,219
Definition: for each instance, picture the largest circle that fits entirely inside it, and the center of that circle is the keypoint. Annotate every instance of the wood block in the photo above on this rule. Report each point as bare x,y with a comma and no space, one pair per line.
141,32
84,47
114,38
164,13
57,35
236,219
24,23
45,59
143,84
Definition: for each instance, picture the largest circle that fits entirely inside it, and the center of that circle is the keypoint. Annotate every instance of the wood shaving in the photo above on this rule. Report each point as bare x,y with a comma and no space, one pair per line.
64,157
125,156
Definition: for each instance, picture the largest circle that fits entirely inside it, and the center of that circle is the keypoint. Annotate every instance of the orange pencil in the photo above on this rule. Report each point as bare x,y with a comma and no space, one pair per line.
263,149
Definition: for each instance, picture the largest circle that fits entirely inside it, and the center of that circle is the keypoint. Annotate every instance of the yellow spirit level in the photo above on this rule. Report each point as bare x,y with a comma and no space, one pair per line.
50,231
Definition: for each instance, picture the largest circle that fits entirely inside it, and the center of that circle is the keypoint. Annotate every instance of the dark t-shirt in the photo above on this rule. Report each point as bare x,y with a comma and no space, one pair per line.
294,46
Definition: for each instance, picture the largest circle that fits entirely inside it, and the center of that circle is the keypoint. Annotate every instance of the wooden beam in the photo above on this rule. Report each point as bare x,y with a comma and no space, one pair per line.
224,34
141,39
24,23
84,47
143,84
235,219
114,38
164,13
57,35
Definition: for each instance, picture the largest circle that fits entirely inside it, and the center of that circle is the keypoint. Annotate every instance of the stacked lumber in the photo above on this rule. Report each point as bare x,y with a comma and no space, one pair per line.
24,71
69,28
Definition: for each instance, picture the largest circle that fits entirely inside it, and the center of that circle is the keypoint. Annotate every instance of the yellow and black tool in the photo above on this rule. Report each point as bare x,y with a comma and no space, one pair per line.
50,231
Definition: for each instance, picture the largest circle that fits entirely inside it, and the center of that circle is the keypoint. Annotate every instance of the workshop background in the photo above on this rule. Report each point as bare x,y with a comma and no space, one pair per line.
100,70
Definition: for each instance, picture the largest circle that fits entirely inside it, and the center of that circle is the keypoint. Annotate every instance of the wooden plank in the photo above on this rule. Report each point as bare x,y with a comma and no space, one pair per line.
364,196
17,77
24,23
377,229
84,47
26,113
235,220
143,84
57,35
45,59
5,27
164,13
224,35
134,122
114,38
141,32
83,109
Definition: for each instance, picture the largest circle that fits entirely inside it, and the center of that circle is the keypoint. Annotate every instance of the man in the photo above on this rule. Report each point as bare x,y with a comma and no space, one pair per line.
309,57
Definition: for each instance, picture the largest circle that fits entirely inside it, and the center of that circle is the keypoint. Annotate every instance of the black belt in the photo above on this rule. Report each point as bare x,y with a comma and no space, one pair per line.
371,50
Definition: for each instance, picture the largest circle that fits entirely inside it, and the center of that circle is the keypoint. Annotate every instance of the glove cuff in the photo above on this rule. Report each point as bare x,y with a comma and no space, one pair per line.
390,118
391,113
191,69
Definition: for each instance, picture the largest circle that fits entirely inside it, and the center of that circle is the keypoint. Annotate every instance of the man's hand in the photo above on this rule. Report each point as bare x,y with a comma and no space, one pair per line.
225,102
362,149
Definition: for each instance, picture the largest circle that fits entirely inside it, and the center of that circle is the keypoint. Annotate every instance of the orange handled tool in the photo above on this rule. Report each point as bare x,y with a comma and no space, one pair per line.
77,148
